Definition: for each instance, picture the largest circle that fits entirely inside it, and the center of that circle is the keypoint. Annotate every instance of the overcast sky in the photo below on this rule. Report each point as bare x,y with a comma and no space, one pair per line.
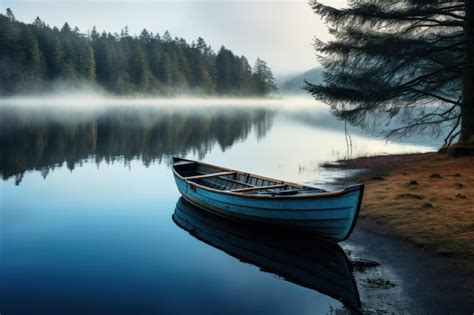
280,32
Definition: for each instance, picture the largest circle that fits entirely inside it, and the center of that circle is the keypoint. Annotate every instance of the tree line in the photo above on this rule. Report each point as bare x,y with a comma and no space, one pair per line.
34,55
408,59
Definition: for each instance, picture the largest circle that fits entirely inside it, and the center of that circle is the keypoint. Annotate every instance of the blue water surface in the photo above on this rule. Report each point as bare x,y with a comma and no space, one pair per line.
87,200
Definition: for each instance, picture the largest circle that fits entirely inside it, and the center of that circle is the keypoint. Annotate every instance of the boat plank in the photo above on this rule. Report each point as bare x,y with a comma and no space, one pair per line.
258,188
209,175
236,181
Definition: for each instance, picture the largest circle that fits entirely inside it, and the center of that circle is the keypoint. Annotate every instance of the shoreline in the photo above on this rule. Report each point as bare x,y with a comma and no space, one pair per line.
422,255
423,198
426,199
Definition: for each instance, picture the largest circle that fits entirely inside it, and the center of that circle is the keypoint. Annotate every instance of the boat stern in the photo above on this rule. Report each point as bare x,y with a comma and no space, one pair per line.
359,189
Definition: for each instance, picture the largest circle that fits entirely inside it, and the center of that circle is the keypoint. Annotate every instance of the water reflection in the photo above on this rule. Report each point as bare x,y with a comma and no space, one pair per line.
42,139
317,265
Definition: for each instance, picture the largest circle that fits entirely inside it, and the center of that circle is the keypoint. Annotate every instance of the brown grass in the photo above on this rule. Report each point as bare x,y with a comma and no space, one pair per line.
432,211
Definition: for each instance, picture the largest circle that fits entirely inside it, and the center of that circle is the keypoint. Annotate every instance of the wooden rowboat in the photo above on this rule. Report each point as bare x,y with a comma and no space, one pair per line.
240,195
308,262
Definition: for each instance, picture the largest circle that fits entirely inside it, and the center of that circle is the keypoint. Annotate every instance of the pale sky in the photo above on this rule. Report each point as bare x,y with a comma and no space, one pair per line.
280,32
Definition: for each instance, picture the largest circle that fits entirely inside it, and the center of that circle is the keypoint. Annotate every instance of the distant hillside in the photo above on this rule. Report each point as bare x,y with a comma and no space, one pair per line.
295,84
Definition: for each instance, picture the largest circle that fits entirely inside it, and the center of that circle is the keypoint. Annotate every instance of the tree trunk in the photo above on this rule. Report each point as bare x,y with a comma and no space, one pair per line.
467,107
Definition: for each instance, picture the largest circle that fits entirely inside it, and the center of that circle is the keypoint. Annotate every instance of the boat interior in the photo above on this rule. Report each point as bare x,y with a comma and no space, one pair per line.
235,181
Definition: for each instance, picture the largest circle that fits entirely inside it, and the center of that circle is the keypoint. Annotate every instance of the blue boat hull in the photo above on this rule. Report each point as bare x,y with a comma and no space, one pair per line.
330,216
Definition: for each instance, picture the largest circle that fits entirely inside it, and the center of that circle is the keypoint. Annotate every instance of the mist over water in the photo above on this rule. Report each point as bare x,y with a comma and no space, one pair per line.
87,96
294,135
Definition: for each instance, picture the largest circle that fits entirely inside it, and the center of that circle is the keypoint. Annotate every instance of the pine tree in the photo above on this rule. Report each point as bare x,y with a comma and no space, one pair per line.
264,77
145,36
94,34
54,55
32,55
407,59
167,37
66,28
224,71
165,75
38,23
138,69
10,15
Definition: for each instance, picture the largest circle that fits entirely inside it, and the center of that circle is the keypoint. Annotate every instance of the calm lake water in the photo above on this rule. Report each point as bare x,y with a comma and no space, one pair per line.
87,203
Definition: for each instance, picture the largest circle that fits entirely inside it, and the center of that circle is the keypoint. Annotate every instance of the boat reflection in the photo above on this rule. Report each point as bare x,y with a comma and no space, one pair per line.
297,258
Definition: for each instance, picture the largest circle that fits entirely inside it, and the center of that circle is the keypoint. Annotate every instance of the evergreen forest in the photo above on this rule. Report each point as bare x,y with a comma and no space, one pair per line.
35,56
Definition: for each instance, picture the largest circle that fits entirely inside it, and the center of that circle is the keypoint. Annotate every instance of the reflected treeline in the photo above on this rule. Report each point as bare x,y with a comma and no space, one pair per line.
42,139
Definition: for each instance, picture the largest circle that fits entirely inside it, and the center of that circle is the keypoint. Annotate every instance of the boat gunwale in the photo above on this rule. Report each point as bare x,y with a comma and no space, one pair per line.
359,187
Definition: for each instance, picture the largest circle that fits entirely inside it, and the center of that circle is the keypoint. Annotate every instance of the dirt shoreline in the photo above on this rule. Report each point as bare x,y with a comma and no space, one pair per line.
417,223
426,199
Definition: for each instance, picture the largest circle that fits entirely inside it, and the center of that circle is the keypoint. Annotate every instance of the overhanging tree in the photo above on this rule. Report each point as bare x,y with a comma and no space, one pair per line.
407,59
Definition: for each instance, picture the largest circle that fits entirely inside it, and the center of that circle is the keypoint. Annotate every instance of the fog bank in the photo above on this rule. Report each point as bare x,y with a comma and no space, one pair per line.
85,96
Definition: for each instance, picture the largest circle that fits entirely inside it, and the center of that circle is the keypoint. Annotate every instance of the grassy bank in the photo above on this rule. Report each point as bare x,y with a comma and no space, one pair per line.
427,199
